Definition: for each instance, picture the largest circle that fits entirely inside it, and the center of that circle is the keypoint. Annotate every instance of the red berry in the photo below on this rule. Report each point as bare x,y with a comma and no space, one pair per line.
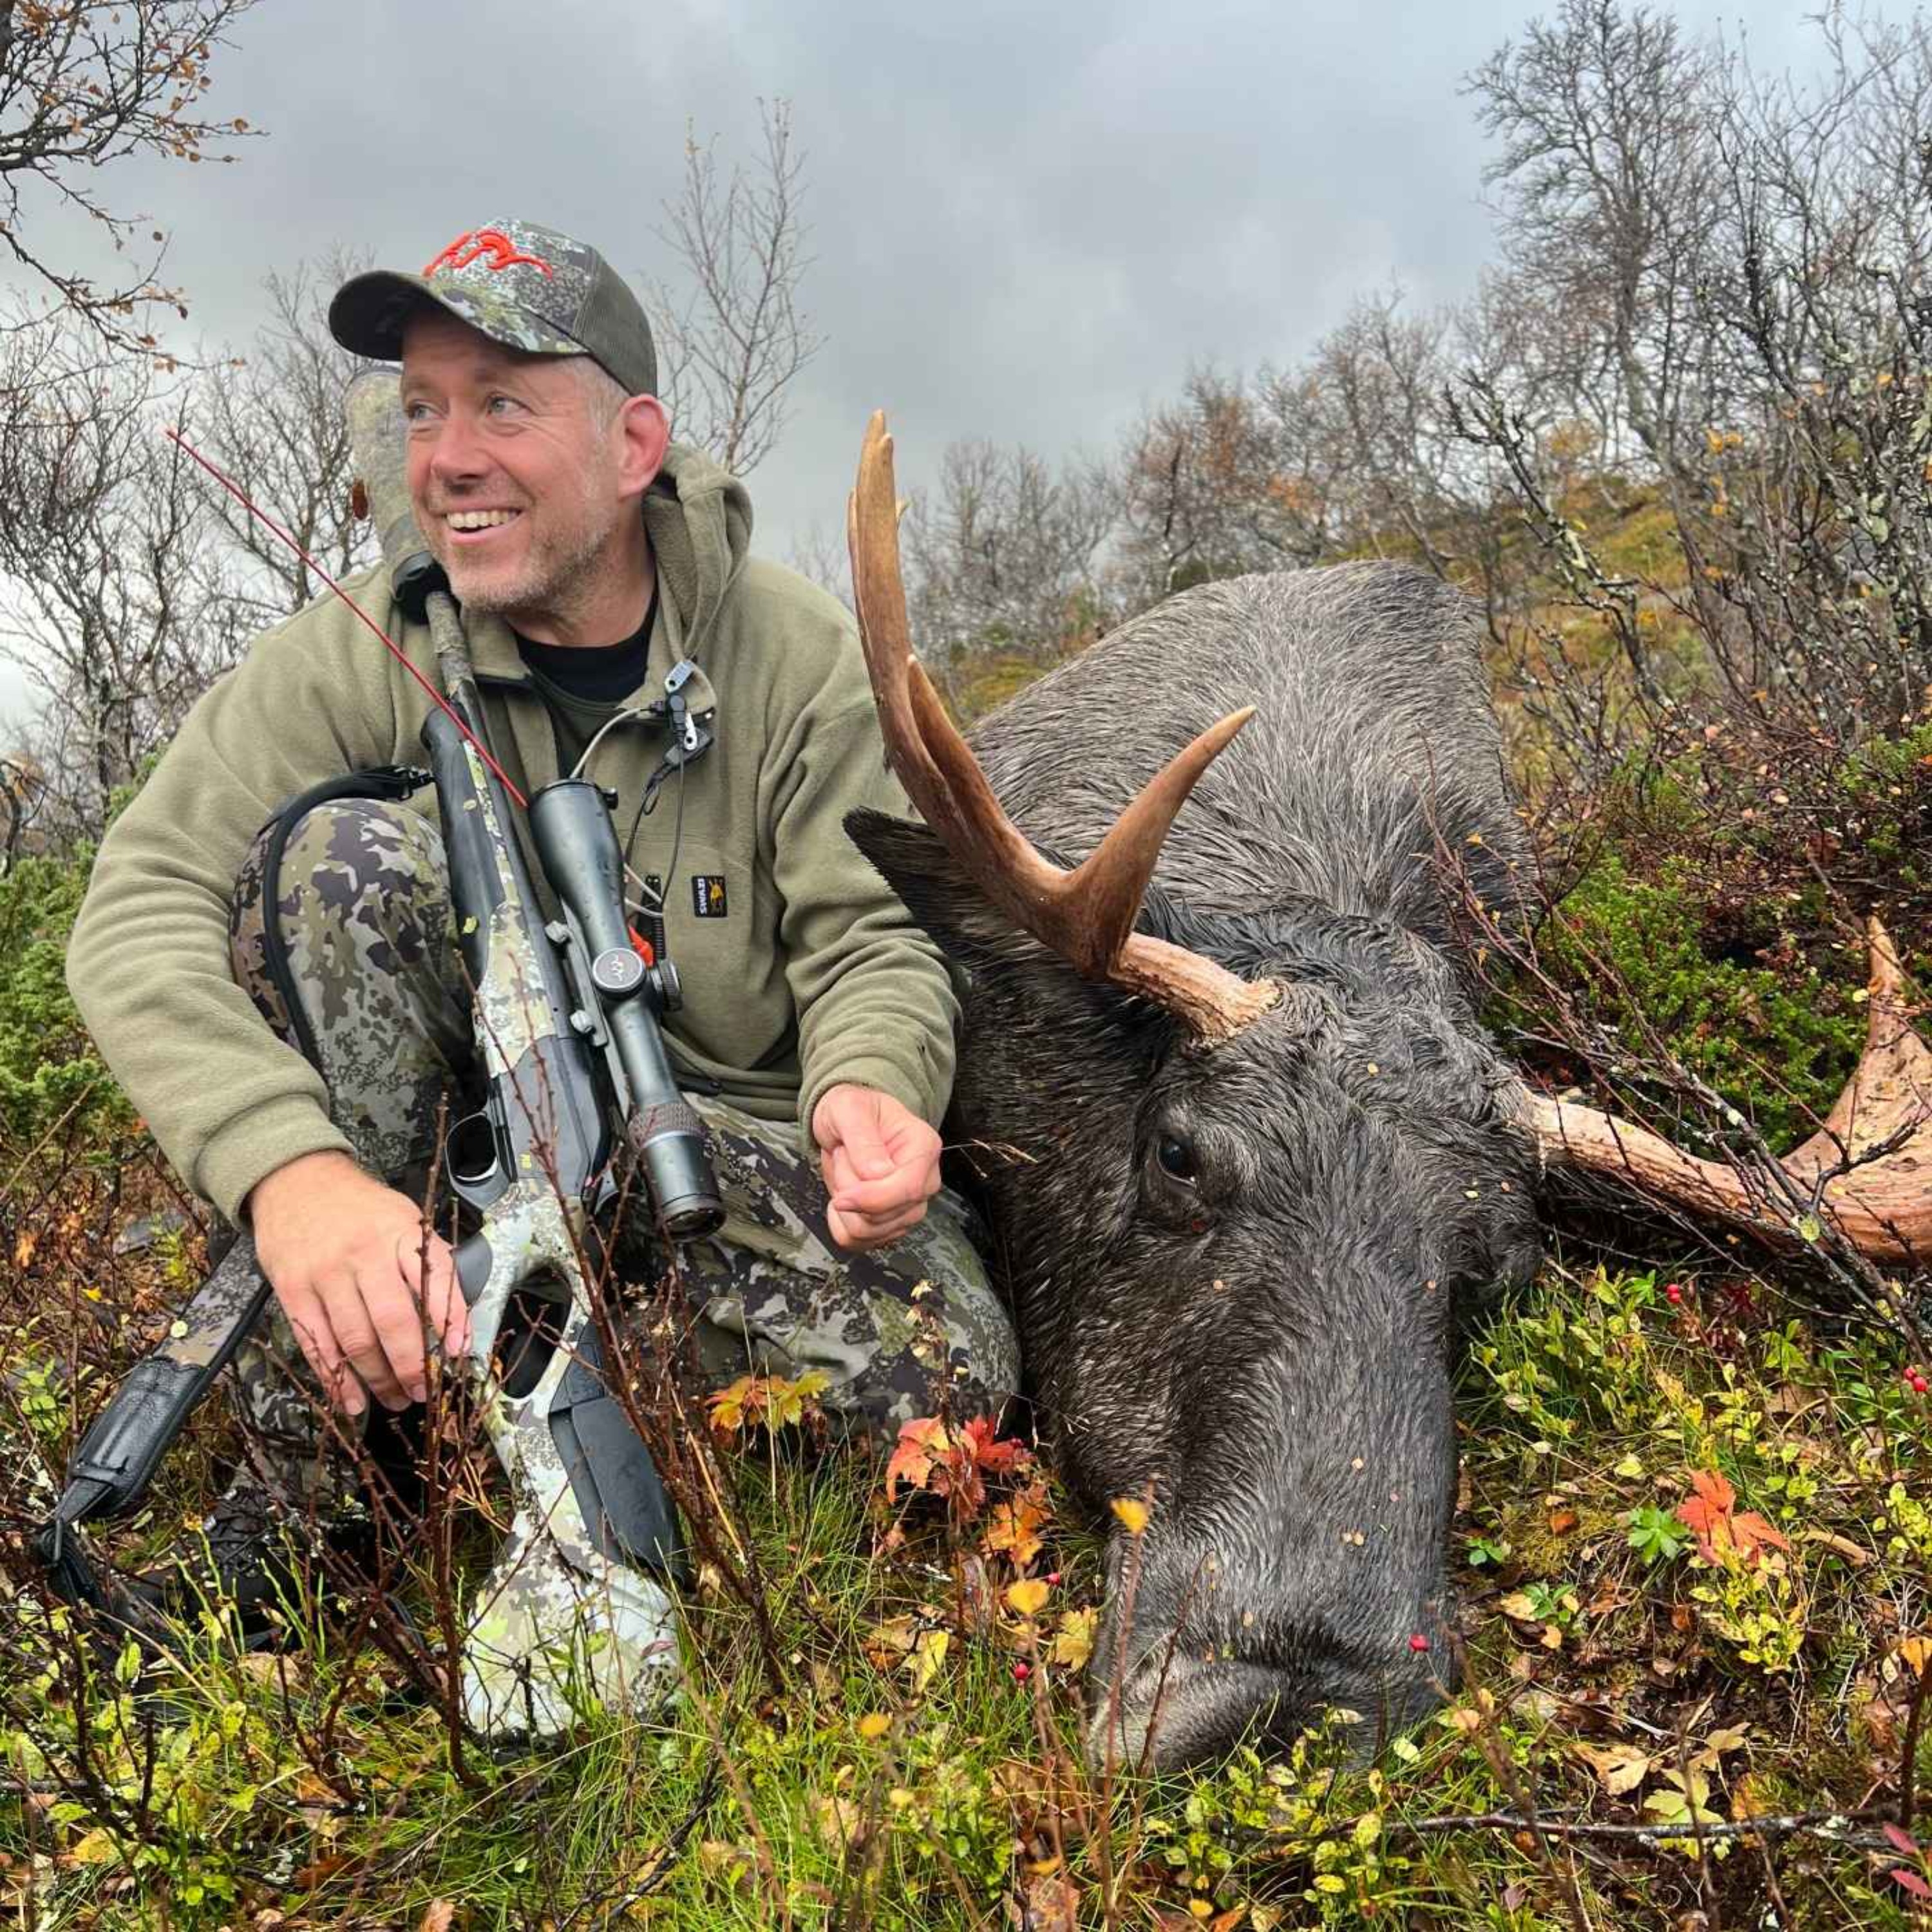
1053,1578
1919,1385
1672,1293
1418,1642
1021,1672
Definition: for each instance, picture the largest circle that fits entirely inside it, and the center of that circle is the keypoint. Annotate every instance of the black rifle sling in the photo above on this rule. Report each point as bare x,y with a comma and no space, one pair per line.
117,1458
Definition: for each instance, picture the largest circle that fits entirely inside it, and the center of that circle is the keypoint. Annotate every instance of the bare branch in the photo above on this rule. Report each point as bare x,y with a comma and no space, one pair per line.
730,348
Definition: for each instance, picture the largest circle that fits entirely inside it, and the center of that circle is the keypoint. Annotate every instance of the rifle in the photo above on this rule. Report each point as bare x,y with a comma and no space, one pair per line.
566,1030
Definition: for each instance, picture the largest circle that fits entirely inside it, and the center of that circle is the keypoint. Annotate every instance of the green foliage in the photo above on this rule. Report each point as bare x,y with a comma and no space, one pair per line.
48,1071
1777,1048
1656,1535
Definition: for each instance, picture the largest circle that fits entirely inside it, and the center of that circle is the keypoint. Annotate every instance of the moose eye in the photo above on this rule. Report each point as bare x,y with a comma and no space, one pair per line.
1177,1160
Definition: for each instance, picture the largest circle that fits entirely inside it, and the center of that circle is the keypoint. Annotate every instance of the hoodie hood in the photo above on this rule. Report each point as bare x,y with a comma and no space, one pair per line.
698,518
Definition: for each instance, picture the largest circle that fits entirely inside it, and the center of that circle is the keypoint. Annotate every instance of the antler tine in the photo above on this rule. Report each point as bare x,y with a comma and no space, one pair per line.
932,761
1882,1205
1086,915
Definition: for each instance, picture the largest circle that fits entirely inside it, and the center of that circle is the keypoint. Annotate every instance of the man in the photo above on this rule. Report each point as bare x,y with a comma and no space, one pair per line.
589,554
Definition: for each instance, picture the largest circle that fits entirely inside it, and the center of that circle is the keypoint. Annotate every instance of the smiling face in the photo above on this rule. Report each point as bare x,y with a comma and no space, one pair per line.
527,501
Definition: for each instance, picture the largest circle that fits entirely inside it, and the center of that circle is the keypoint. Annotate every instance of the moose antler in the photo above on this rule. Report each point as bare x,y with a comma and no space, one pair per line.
1087,915
1869,1168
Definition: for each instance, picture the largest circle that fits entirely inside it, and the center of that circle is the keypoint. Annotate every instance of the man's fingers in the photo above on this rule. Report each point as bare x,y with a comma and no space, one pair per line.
901,1188
861,1232
397,1321
446,1314
362,1345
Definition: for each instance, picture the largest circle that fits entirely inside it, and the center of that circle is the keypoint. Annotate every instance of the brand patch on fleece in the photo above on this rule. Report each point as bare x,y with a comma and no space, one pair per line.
707,895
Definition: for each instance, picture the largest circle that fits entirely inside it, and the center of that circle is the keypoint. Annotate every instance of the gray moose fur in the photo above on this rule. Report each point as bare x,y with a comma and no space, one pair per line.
1267,1343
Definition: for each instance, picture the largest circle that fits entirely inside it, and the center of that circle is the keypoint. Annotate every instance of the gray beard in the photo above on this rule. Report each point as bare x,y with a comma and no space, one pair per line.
556,584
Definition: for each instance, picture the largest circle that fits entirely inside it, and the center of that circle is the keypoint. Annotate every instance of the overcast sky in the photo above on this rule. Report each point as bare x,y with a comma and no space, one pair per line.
1026,221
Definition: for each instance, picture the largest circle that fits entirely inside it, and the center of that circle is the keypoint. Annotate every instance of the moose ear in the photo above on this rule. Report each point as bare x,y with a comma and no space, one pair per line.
937,892
970,930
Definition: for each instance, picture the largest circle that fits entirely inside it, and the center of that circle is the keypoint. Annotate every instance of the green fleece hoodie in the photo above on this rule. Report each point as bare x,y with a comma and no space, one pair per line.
805,972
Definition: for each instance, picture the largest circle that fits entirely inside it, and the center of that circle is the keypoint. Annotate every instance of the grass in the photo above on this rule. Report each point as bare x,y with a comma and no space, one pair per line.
904,1772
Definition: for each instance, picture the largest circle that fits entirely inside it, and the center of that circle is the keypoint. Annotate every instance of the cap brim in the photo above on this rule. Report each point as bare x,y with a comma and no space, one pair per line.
369,312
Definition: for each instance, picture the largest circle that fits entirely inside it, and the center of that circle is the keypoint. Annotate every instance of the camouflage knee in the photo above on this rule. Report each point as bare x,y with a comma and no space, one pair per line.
909,1330
363,919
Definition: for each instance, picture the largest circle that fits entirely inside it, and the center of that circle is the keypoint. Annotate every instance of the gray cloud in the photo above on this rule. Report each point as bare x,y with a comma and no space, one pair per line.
1026,221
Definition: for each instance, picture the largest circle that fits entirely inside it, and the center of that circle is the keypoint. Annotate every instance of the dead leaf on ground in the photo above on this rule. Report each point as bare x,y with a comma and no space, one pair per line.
1051,1903
1619,1768
437,1919
1855,1554
726,1864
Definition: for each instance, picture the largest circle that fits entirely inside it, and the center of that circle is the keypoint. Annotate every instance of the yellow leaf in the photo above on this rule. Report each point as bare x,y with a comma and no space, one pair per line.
1073,1640
928,1655
874,1724
1028,1597
97,1848
1132,1512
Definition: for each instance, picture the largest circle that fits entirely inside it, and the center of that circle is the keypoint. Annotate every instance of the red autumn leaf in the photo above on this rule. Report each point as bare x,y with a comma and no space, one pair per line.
994,1457
922,1444
1910,1882
1709,1514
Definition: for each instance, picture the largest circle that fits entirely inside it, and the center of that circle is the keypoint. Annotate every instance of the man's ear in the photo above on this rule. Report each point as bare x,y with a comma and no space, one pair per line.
643,425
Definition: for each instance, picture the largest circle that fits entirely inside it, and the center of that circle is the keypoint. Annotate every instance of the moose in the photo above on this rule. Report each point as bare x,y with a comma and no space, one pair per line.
1253,1154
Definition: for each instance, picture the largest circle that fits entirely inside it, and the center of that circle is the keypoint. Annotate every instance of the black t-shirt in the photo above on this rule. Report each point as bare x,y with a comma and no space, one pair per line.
584,686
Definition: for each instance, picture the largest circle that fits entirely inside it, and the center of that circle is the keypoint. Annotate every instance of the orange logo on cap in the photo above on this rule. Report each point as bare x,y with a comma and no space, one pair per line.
492,246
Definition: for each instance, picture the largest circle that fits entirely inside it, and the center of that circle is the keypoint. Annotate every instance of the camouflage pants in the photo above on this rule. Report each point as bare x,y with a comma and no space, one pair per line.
365,915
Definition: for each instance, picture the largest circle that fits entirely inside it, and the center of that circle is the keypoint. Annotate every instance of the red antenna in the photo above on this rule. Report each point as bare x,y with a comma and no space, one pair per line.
267,522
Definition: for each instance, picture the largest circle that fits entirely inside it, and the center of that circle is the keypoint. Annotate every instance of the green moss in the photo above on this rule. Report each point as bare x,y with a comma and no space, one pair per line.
49,1074
993,678
1777,1048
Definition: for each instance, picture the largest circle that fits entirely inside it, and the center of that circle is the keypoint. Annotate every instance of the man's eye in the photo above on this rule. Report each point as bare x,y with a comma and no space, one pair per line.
502,406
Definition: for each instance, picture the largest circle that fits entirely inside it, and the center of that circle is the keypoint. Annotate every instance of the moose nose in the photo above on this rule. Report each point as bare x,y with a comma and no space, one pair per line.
1177,1707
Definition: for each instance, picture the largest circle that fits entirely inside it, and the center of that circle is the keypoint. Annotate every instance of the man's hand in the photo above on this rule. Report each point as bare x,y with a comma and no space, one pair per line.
345,1257
880,1162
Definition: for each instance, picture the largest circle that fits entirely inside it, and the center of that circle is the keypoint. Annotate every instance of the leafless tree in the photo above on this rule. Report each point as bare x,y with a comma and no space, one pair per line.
1212,484
101,526
1606,176
85,84
274,422
731,343
818,553
1003,555
23,792
1717,290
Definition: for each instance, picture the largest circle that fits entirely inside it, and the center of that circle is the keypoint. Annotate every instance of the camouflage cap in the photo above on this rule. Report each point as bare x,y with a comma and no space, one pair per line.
527,287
